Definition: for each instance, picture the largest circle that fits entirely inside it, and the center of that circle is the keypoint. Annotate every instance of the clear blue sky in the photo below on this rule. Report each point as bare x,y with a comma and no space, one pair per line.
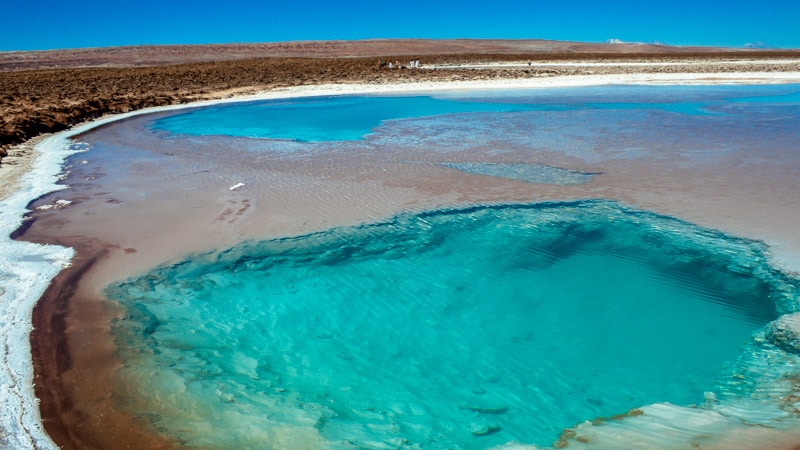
47,24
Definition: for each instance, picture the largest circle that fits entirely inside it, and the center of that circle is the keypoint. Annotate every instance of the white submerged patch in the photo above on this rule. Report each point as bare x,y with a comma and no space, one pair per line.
57,205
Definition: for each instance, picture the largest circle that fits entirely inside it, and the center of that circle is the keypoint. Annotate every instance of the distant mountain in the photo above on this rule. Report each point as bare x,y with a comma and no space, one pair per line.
755,45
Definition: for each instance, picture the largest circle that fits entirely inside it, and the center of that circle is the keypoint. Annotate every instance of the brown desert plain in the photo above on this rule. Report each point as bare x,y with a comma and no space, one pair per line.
47,91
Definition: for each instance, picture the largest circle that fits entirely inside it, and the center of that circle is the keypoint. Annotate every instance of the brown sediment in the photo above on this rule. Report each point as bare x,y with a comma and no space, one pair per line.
70,416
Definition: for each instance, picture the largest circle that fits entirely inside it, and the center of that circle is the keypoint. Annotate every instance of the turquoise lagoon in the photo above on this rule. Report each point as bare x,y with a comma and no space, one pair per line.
456,328
321,119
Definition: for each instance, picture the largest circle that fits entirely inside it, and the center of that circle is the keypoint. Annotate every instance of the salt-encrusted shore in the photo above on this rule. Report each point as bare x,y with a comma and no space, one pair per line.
27,268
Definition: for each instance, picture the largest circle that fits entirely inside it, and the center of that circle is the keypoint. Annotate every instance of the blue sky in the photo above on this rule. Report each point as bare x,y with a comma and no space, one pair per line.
39,25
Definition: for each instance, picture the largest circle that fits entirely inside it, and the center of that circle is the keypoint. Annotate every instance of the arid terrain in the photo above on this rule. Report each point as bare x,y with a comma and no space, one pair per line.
47,91
176,54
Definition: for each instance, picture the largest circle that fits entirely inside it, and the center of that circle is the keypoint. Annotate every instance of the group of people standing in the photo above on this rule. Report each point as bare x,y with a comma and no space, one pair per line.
413,64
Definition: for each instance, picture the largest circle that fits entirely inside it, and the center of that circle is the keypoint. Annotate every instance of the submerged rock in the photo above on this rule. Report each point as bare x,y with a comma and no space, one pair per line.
480,427
485,409
785,332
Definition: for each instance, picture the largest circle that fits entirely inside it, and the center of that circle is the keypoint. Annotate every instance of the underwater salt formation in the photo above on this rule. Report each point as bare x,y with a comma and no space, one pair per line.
463,328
